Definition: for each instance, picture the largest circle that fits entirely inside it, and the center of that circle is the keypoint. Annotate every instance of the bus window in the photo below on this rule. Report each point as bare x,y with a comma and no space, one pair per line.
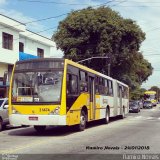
110,88
106,87
83,81
72,85
39,86
97,85
100,86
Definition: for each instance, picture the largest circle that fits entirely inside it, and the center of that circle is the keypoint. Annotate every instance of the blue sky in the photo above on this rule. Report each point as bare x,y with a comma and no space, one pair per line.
144,12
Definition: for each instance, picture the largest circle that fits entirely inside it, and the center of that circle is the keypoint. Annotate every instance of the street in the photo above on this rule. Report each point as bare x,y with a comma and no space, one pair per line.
138,133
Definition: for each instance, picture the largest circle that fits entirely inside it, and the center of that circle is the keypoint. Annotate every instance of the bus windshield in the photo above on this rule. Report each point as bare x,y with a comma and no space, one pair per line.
38,86
149,96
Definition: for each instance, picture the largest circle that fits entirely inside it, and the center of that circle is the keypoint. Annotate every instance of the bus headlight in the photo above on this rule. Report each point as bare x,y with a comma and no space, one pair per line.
14,111
56,111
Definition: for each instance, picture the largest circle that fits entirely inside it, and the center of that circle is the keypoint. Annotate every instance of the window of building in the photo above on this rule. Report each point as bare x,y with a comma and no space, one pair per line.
40,52
7,41
21,47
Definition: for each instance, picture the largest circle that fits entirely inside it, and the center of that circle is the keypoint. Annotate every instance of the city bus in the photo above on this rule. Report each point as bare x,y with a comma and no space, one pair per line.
60,92
151,96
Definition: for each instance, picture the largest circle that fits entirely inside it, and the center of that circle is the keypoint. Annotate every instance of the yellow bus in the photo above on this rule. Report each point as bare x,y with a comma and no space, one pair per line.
59,92
151,96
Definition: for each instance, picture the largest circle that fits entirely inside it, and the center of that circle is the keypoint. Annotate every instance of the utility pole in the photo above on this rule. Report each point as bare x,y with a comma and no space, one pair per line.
109,69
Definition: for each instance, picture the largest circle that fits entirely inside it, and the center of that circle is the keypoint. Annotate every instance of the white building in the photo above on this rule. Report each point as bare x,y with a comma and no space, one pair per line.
17,43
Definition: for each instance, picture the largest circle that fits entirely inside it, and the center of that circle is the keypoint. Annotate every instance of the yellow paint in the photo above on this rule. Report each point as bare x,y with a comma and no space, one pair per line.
73,115
63,95
35,109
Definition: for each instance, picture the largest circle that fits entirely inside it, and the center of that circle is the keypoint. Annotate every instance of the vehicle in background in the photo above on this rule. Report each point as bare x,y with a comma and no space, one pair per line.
134,106
147,104
140,103
150,96
4,120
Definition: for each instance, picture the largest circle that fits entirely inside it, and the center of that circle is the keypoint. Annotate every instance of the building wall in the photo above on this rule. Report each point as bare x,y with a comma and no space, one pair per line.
31,42
3,68
30,46
6,55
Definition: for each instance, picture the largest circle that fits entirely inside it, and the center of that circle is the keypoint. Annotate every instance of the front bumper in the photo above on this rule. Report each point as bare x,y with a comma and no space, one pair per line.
51,120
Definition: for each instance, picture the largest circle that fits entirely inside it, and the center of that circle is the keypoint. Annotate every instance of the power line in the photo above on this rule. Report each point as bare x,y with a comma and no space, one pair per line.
44,19
49,2
118,3
151,55
35,33
29,22
62,3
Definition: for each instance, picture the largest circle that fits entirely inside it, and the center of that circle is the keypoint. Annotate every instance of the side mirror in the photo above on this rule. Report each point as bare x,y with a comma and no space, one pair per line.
5,106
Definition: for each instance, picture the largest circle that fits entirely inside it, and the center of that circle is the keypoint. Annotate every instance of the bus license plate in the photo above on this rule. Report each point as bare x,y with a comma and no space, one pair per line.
33,118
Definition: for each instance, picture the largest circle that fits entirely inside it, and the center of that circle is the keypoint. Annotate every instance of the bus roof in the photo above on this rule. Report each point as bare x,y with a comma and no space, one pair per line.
93,71
149,92
71,63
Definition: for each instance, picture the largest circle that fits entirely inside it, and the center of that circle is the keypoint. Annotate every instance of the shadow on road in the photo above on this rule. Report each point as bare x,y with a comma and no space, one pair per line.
55,131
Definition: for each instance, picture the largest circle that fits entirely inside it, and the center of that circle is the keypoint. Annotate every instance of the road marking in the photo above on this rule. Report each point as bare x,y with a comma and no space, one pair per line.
138,117
150,118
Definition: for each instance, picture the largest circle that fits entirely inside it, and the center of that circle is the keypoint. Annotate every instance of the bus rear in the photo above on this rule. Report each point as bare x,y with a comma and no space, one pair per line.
151,96
36,96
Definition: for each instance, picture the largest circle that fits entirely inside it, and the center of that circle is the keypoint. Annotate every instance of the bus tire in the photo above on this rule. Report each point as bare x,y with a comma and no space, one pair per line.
106,119
83,119
40,128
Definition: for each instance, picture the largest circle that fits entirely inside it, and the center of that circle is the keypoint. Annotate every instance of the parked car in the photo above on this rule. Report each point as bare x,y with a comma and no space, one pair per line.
134,106
147,104
4,120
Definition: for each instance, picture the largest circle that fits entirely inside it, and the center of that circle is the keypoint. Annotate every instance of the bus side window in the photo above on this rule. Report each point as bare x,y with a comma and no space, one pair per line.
106,87
83,81
100,86
97,85
110,88
72,85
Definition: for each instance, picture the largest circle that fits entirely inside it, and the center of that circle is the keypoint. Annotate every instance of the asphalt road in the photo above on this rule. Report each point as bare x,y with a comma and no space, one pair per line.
138,133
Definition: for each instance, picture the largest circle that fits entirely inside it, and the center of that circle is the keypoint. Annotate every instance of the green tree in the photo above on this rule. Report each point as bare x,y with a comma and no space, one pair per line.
103,32
137,93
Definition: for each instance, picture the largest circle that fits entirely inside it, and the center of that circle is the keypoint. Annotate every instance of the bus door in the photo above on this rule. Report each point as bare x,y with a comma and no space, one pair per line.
120,99
92,97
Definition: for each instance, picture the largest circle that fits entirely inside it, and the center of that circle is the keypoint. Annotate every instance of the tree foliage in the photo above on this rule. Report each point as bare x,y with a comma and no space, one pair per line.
137,93
103,32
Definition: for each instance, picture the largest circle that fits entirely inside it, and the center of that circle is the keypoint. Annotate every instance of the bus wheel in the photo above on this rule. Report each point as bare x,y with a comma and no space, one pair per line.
82,125
40,128
106,119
